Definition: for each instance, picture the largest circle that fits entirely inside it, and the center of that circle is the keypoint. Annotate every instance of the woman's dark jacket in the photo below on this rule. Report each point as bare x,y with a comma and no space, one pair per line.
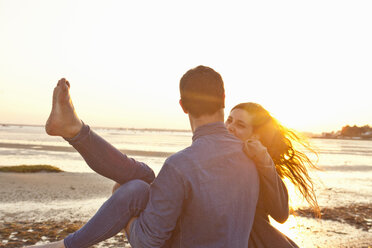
272,200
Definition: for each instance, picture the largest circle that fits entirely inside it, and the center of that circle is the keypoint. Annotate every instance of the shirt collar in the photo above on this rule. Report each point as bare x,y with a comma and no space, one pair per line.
210,128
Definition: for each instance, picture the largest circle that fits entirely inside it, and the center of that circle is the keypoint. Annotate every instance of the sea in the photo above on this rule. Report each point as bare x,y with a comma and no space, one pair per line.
344,178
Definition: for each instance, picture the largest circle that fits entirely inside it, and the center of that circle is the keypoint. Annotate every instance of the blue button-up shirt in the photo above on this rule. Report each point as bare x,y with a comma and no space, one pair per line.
204,196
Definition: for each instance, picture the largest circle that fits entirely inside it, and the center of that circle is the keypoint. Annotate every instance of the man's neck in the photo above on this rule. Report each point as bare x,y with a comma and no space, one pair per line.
205,119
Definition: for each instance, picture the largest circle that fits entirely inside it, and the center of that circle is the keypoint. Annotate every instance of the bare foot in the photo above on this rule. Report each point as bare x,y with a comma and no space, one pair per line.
63,120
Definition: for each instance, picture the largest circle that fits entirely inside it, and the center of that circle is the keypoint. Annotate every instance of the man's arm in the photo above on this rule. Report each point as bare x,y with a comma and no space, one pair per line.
156,223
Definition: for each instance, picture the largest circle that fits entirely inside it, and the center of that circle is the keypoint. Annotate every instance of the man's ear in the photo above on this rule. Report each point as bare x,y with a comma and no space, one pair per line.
183,108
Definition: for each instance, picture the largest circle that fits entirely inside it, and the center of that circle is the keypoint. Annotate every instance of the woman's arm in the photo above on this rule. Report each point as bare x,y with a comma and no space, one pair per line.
272,189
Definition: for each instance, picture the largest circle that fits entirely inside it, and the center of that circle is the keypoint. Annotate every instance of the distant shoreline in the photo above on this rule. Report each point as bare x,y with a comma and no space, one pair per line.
341,138
109,128
309,134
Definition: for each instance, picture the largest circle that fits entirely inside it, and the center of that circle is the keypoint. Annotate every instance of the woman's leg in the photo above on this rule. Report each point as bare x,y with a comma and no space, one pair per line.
113,216
108,161
99,154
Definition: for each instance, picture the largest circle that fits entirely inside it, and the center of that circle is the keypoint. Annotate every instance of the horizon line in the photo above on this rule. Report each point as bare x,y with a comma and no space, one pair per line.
102,127
140,129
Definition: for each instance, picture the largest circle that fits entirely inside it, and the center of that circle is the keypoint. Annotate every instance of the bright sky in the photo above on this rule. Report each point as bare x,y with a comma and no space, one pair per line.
308,62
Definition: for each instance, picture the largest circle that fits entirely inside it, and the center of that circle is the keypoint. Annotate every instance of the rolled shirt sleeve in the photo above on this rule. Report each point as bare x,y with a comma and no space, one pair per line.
155,224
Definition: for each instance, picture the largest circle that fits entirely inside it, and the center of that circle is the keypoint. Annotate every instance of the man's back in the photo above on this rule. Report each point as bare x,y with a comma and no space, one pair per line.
204,196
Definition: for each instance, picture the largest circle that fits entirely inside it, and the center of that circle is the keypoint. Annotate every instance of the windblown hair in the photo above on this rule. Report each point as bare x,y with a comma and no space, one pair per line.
289,161
202,91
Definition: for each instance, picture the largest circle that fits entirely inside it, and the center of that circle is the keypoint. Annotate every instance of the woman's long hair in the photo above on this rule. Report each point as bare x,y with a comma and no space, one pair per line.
289,162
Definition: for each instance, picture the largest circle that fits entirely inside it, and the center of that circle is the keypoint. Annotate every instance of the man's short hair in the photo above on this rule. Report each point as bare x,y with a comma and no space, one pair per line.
202,91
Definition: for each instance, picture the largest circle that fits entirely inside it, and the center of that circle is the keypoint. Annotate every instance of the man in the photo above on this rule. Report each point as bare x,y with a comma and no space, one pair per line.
205,195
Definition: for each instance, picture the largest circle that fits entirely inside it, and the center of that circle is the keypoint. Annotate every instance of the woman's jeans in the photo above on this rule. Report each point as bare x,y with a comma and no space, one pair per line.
127,201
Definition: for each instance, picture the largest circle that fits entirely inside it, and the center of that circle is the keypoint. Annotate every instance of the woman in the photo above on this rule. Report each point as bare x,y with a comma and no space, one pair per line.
276,158
110,219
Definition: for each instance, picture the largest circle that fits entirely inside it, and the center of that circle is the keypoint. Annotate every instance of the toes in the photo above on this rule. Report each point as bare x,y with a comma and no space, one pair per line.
63,83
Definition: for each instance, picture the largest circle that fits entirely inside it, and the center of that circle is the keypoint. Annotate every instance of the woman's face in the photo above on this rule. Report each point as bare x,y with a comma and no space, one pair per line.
239,123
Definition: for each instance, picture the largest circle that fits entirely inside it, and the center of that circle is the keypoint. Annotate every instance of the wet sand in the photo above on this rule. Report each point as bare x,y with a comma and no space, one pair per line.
28,233
43,207
357,215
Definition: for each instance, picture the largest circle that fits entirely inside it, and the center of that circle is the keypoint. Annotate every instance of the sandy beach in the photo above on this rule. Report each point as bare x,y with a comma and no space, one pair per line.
42,207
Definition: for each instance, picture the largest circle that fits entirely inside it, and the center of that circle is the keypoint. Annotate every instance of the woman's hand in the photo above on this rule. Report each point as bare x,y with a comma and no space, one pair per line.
274,194
254,149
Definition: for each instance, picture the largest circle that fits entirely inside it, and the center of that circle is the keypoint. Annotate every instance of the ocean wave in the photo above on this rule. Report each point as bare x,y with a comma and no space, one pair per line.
347,168
71,149
348,152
